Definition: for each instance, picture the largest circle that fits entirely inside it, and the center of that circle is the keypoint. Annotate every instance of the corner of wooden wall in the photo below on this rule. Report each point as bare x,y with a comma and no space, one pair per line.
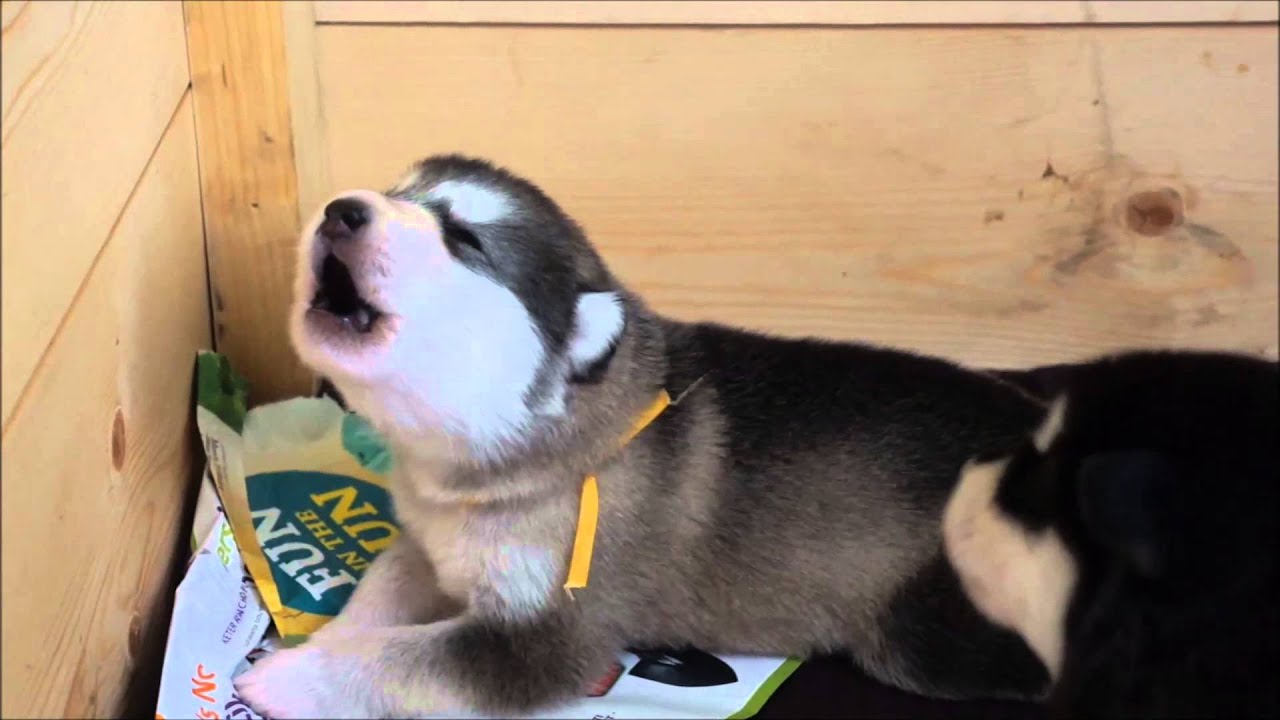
259,139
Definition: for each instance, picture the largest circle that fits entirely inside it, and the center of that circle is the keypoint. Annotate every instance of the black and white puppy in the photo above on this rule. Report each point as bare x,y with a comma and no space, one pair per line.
1132,538
786,503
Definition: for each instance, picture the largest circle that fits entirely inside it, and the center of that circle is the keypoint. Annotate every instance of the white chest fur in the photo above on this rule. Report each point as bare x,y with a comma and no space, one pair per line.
503,560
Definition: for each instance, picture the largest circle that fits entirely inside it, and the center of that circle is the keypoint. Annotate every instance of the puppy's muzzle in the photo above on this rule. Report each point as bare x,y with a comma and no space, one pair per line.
338,299
344,218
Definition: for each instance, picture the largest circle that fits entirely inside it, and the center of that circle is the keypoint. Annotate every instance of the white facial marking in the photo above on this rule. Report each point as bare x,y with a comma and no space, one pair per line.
1052,425
467,353
460,351
599,319
1019,580
472,203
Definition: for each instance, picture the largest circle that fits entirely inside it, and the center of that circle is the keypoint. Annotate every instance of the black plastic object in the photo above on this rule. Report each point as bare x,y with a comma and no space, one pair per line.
683,668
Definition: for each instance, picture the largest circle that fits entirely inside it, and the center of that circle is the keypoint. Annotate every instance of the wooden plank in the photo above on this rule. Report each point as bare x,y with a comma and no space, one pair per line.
789,12
1138,12
87,89
311,164
887,185
249,182
99,460
1197,110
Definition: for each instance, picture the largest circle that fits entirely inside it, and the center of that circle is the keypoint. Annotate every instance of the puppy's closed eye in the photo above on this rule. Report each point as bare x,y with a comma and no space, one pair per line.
457,236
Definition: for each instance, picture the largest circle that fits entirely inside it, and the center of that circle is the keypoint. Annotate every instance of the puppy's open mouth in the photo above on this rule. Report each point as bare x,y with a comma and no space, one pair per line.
337,295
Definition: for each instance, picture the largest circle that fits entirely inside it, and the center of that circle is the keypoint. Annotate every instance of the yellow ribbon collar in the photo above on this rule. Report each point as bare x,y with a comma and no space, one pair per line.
589,509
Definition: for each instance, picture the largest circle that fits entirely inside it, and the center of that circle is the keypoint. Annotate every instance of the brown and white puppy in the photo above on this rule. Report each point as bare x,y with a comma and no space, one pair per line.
787,502
1132,538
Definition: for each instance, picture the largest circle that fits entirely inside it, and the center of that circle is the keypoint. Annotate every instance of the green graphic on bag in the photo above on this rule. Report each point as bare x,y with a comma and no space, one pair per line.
363,442
319,532
304,486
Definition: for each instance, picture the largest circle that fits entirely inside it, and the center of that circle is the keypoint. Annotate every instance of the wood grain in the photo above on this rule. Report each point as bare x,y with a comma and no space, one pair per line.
1165,101
790,12
98,461
956,191
311,163
88,87
1137,12
249,183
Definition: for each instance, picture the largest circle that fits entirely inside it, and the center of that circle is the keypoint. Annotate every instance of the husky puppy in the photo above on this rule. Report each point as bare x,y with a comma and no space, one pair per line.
1132,538
786,502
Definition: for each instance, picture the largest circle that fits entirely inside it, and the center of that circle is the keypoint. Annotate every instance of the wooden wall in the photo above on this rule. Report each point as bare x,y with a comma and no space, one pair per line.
105,302
1004,183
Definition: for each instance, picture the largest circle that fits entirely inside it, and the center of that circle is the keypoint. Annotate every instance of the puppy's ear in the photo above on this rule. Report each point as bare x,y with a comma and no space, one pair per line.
1129,504
599,318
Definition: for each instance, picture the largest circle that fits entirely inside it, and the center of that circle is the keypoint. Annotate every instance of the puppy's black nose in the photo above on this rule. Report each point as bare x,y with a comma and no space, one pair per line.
343,217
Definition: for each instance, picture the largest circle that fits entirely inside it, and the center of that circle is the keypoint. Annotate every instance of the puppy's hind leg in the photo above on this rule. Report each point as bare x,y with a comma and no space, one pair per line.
935,642
399,588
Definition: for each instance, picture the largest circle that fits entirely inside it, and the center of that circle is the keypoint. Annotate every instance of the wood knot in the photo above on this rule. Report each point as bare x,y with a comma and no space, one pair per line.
137,636
1154,212
117,440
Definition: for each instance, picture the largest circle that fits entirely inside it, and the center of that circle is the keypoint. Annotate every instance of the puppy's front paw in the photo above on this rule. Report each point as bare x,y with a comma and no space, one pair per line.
296,683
